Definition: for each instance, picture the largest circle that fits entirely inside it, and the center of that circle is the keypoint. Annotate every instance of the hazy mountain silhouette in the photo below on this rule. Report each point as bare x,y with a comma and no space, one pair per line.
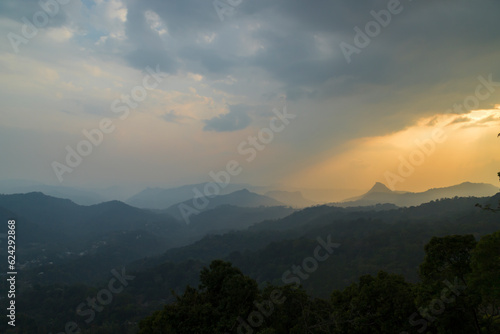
65,216
379,194
226,218
241,198
163,198
55,230
81,196
367,237
379,188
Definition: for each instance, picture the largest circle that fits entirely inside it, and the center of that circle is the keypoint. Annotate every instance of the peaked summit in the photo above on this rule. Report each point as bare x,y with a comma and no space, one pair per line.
379,188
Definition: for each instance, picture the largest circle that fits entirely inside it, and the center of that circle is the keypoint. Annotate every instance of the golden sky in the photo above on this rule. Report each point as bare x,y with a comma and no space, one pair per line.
434,67
436,151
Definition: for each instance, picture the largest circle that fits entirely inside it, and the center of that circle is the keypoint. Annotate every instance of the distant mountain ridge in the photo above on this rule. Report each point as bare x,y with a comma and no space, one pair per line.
380,194
164,198
64,216
78,196
242,198
54,231
81,196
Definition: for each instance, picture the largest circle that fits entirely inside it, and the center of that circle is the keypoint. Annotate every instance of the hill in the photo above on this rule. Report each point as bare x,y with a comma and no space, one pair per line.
62,239
241,198
370,239
163,198
379,194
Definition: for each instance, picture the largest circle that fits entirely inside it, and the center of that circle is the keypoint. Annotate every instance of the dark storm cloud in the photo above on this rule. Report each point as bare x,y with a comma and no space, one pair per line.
236,119
182,18
318,15
147,48
150,57
423,45
210,60
16,10
185,20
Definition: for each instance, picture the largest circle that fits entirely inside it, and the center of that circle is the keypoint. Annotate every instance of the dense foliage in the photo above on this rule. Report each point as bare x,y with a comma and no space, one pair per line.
458,293
371,283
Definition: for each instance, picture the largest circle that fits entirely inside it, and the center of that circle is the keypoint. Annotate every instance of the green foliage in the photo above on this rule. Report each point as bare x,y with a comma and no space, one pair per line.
379,304
224,295
390,240
485,280
447,257
442,302
229,302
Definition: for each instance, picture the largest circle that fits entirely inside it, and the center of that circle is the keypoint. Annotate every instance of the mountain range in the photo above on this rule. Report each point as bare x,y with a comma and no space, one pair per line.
56,230
380,194
65,251
242,198
148,198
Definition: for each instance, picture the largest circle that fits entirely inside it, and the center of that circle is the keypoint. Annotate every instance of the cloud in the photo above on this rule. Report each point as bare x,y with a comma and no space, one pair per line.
174,117
423,63
296,44
451,141
145,46
16,10
236,119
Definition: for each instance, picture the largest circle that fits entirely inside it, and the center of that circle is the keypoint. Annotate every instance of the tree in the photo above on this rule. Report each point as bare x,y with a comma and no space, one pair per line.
289,310
380,304
485,279
224,294
447,257
444,297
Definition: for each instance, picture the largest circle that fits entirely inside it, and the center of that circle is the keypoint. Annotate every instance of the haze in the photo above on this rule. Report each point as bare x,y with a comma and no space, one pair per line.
354,115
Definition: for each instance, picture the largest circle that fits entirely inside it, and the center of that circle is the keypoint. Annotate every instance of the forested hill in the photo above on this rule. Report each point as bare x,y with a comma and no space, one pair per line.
367,240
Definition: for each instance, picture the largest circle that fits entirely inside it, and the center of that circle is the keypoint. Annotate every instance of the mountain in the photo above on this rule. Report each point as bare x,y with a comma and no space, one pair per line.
368,241
28,231
462,190
379,188
79,196
53,231
291,198
241,198
57,235
65,216
226,218
379,194
163,198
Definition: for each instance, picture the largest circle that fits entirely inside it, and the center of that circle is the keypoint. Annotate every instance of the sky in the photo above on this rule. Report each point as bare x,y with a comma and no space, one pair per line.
297,94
